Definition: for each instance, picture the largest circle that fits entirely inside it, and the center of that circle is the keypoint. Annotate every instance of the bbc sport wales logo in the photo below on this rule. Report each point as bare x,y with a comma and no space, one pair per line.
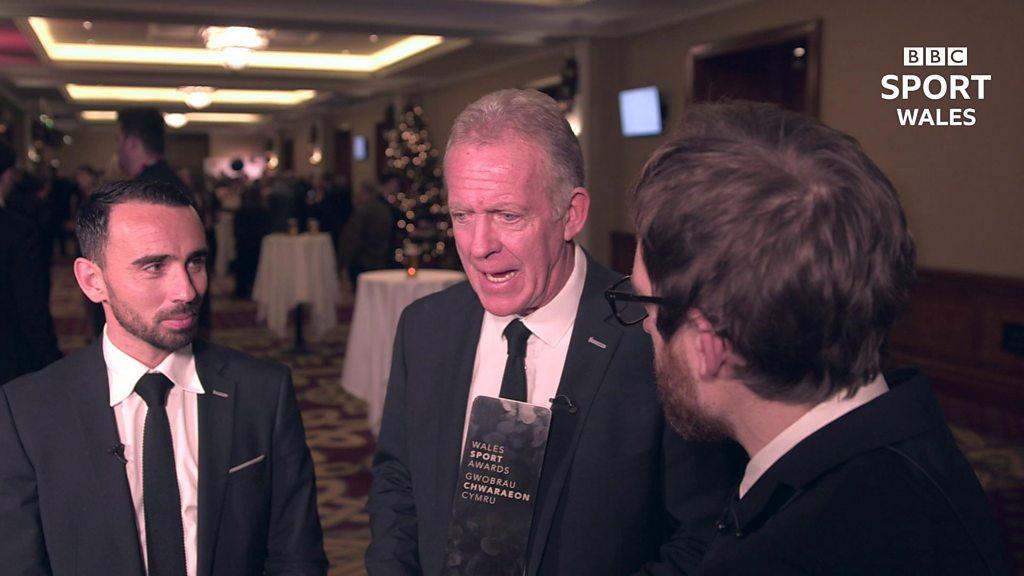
952,95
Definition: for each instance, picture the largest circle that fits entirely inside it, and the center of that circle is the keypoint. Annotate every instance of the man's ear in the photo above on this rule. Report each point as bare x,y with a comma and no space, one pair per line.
90,280
712,350
576,215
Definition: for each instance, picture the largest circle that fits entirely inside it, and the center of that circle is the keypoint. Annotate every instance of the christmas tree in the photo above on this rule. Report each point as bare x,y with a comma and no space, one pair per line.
421,216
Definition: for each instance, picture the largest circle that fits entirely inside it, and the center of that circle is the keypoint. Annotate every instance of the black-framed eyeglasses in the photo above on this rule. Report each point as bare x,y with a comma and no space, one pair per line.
628,306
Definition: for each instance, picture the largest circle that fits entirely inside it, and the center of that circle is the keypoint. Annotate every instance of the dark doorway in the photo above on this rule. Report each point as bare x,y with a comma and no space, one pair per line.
779,66
287,154
343,154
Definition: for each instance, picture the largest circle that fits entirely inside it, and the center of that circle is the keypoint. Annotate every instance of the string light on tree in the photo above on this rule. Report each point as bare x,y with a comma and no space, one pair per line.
422,217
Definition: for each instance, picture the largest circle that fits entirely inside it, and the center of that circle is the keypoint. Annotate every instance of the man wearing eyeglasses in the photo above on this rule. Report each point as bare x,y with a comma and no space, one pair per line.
619,492
773,256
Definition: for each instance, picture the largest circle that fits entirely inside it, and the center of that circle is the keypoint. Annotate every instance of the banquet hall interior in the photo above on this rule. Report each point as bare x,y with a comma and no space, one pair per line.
290,122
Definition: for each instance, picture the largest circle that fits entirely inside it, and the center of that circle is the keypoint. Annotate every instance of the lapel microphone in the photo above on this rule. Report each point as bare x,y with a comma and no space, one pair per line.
563,402
117,451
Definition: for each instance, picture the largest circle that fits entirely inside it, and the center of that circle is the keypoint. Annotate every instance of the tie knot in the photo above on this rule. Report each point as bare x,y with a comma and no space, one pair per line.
153,388
517,334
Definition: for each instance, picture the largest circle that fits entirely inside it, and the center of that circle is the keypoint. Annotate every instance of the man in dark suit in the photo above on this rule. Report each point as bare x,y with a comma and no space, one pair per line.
773,256
366,239
26,328
619,492
140,155
147,452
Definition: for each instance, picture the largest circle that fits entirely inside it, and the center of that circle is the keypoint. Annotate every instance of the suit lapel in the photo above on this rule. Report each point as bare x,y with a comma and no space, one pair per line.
216,425
455,394
593,344
98,429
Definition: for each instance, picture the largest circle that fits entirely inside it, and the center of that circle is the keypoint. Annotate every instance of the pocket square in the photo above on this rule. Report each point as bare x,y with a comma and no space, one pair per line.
247,463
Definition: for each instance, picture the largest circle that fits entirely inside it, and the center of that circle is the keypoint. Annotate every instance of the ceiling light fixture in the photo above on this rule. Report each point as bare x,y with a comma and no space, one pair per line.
263,59
197,97
236,43
95,93
190,117
175,120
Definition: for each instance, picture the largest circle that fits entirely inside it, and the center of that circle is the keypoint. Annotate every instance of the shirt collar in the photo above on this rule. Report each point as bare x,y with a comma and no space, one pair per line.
123,371
815,419
552,321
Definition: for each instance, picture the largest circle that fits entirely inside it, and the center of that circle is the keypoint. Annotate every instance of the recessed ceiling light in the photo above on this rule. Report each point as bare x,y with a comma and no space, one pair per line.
258,59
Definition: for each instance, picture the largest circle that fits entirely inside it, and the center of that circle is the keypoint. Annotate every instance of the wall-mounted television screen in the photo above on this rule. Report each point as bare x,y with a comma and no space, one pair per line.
640,111
359,147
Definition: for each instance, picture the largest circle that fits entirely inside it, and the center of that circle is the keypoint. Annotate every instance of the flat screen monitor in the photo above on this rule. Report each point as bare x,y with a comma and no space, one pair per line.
640,111
359,147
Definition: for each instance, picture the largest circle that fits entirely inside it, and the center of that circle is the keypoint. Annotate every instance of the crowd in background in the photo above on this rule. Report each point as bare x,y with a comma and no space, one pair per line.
237,212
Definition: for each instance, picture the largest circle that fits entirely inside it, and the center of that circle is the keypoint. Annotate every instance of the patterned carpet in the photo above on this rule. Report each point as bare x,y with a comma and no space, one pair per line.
342,445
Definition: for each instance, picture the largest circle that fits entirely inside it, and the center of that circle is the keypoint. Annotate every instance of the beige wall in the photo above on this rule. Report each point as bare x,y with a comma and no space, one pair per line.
361,120
960,186
93,146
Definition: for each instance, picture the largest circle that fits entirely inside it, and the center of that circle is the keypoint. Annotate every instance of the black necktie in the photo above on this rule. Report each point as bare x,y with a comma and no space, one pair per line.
513,382
161,501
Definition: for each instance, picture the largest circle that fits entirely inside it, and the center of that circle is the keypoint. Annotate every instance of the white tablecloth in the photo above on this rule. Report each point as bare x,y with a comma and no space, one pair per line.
380,299
293,270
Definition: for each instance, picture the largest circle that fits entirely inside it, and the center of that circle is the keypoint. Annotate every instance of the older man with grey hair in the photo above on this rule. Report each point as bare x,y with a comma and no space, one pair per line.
619,492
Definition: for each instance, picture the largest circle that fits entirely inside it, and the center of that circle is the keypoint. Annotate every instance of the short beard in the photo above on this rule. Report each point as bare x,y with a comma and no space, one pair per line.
152,334
677,391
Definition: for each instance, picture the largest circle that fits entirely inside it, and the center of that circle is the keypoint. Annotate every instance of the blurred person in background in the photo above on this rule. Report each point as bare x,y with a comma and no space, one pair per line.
62,191
334,205
30,198
27,339
252,223
365,243
140,146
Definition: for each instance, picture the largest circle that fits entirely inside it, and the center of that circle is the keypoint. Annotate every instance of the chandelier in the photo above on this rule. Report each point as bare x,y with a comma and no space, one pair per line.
175,119
235,43
197,97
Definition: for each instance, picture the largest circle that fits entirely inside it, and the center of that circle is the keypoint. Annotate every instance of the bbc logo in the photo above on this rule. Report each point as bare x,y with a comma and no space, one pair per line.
935,56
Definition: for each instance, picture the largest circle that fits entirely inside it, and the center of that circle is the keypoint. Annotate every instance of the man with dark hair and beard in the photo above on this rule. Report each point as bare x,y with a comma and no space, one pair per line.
773,257
100,457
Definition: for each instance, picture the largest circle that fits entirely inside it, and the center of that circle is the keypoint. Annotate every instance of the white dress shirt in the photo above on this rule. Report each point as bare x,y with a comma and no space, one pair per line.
551,329
123,372
814,420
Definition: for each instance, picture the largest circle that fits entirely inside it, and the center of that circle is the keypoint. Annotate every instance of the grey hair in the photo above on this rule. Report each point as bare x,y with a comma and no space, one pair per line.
533,118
